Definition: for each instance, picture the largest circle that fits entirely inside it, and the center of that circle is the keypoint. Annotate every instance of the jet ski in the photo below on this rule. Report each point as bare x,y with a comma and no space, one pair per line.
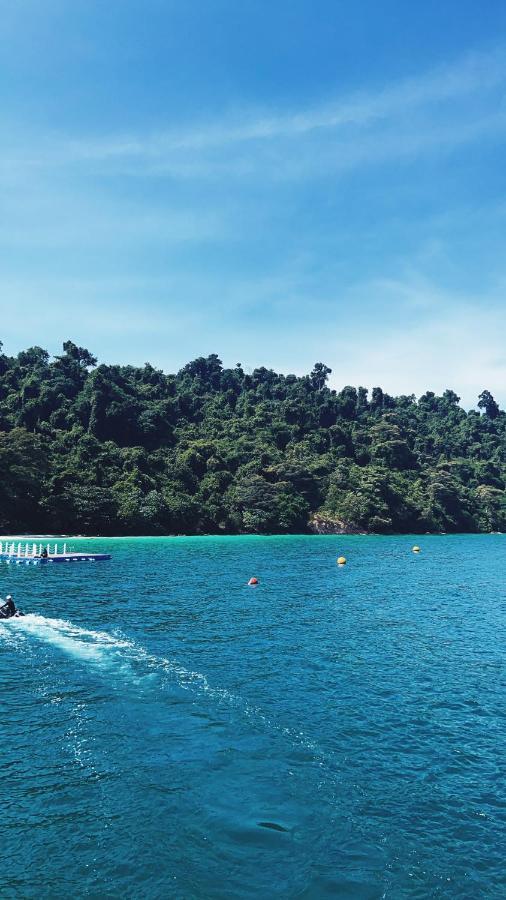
8,609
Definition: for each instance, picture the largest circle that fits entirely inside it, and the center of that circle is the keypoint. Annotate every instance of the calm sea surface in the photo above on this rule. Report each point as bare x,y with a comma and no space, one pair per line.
167,731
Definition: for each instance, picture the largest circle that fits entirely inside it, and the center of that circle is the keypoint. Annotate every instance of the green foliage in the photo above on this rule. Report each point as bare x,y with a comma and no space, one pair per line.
130,450
22,470
487,402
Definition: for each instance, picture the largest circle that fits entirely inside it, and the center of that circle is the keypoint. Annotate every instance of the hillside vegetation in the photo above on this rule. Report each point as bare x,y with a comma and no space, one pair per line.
127,450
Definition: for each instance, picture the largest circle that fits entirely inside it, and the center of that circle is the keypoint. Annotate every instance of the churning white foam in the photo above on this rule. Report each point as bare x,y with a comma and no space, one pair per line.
89,646
110,651
9,636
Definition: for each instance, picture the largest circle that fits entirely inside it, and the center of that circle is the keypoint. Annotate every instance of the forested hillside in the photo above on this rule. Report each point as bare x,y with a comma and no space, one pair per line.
126,450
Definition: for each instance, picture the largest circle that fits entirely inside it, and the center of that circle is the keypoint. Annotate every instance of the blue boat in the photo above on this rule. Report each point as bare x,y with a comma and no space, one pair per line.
27,553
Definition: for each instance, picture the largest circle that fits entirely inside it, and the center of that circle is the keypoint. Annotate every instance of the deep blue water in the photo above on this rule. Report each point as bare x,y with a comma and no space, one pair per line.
167,731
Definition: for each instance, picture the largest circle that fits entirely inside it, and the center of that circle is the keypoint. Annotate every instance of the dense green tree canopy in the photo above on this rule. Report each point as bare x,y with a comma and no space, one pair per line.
120,449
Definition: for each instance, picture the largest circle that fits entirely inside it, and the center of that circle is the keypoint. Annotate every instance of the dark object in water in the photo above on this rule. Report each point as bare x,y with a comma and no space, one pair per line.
273,825
8,609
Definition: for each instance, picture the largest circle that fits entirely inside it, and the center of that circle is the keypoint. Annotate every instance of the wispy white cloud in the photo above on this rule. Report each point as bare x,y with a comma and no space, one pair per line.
440,109
73,226
70,221
415,336
435,339
465,353
476,73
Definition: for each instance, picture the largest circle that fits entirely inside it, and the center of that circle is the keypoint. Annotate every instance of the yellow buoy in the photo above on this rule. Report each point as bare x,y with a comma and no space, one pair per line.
416,549
341,561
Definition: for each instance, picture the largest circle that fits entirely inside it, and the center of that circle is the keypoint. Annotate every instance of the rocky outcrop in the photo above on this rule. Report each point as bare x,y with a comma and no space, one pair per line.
320,523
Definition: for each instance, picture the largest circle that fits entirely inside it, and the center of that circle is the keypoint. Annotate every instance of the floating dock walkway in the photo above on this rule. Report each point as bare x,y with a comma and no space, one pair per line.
41,555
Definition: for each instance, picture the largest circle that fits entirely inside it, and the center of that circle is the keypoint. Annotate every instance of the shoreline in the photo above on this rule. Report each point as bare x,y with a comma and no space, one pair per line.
354,534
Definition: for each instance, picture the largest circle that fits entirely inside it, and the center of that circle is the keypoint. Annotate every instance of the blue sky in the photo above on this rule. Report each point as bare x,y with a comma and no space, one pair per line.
276,182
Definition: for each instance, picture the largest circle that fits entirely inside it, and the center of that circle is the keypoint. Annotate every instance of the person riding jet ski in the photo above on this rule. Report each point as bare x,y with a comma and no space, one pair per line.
8,609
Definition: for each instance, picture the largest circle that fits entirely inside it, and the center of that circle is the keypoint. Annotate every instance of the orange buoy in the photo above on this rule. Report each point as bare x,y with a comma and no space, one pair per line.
253,581
341,561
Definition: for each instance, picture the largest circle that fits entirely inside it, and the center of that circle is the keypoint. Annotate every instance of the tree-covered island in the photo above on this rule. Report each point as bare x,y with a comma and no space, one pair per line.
100,449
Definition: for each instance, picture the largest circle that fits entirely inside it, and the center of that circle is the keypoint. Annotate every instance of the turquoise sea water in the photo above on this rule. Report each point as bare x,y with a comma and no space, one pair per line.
167,731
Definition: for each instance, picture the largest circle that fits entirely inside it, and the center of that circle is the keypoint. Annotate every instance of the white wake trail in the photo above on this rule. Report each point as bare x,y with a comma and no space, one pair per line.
9,636
80,643
115,654
109,651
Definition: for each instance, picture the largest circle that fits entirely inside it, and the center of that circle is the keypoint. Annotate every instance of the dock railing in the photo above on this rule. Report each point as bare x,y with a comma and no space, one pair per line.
29,550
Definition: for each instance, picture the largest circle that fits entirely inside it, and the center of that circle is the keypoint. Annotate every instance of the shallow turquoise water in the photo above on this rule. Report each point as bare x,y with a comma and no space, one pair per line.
167,731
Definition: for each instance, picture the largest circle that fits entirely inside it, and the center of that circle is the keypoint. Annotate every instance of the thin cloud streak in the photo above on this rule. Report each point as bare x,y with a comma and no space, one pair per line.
421,111
475,73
